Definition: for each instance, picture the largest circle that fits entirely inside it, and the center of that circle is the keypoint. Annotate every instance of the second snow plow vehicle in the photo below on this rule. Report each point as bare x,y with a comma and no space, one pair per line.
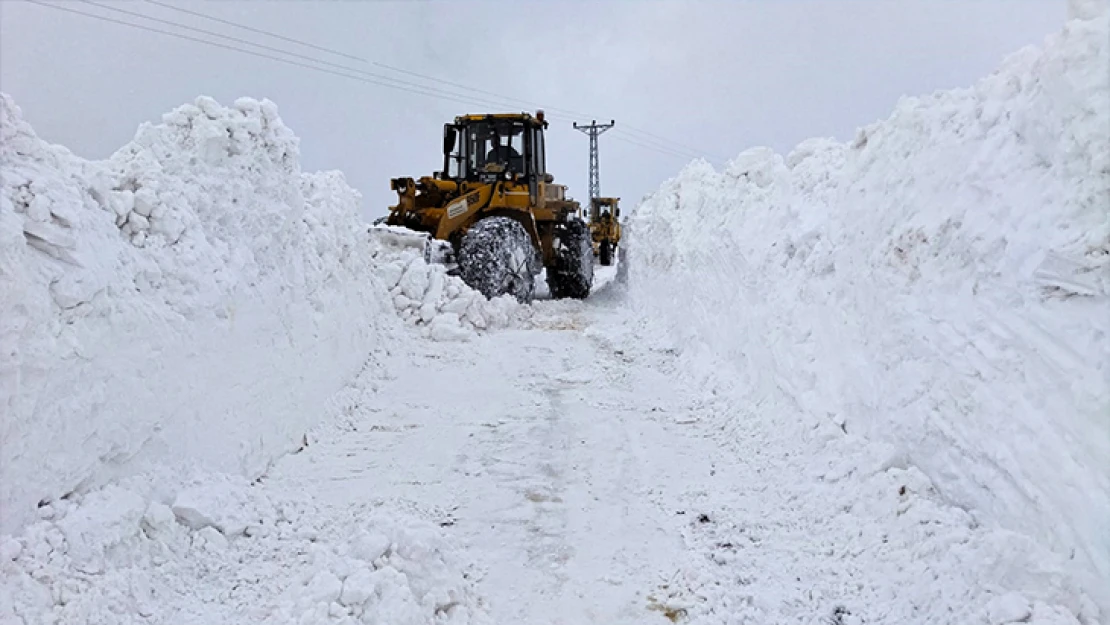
496,212
605,227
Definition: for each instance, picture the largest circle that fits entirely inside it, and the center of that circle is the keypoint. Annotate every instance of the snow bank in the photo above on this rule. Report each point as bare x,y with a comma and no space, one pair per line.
196,297
443,307
939,286
222,551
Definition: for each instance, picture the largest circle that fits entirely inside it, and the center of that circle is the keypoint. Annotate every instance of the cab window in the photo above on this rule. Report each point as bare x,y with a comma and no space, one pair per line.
496,146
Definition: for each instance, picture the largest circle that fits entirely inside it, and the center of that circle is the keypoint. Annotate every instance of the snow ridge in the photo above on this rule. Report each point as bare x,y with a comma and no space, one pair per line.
938,285
195,297
172,320
225,551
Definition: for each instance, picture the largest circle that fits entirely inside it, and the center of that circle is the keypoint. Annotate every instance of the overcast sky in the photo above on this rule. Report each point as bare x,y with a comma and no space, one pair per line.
717,77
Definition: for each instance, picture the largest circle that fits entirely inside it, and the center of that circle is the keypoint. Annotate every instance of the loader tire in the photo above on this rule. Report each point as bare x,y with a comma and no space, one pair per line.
497,257
605,254
573,273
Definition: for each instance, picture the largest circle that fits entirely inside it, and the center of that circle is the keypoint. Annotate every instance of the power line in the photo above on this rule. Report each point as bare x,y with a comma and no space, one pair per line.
660,139
667,152
650,143
345,68
648,136
594,130
419,89
347,72
255,30
564,114
215,34
548,109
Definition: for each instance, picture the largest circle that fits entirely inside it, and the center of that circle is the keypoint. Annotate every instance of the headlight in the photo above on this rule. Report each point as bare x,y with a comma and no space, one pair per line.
508,175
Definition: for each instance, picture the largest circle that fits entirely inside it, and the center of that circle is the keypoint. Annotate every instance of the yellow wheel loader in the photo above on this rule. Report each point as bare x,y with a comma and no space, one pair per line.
494,213
605,227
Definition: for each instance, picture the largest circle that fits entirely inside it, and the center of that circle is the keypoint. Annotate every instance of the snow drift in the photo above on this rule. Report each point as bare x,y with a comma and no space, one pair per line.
224,551
939,285
173,319
196,297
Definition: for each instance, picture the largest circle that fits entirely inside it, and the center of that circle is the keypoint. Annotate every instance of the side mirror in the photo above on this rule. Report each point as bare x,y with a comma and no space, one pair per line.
448,138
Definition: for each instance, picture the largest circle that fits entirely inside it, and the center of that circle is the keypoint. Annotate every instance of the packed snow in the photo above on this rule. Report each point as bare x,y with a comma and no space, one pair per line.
192,301
195,296
222,550
858,383
442,306
938,286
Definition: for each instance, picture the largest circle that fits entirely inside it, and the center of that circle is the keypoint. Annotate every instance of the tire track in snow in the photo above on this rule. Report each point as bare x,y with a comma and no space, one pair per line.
538,452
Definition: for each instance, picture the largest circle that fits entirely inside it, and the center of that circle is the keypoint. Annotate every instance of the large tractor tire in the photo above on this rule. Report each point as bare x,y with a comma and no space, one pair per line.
573,273
497,257
605,253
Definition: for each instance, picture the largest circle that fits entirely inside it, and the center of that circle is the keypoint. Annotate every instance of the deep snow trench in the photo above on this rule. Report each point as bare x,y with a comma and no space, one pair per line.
566,472
860,382
587,482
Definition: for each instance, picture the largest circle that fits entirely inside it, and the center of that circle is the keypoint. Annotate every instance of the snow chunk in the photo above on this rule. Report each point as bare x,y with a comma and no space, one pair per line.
358,587
221,505
324,587
316,563
425,296
448,327
1009,608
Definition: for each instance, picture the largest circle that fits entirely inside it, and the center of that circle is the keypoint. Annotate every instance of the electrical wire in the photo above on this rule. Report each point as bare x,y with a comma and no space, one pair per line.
660,145
566,114
258,31
646,136
337,66
419,90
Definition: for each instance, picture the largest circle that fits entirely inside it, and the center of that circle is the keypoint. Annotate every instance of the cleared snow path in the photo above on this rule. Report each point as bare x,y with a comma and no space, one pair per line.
588,483
551,459
576,473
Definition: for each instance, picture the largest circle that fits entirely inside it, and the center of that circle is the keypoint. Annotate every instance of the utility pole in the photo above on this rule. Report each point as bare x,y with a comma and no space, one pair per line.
593,130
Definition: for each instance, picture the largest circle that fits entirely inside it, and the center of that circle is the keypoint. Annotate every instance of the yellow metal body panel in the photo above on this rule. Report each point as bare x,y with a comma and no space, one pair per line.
525,117
446,208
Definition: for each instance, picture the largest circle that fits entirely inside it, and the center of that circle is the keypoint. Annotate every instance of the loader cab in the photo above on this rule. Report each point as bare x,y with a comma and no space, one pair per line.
604,208
488,148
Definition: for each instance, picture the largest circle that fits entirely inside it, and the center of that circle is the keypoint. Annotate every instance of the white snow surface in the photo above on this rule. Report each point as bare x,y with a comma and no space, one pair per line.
442,306
860,383
194,297
226,551
188,307
938,287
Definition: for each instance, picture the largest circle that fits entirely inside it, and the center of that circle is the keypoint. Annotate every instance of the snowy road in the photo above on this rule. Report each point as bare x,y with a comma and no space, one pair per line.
854,383
589,483
555,461
582,475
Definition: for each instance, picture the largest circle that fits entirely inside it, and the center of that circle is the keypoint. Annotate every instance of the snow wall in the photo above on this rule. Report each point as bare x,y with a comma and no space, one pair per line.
939,285
194,298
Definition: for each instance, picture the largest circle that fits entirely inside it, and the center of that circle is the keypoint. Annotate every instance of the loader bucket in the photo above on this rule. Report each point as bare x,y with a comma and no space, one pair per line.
399,238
